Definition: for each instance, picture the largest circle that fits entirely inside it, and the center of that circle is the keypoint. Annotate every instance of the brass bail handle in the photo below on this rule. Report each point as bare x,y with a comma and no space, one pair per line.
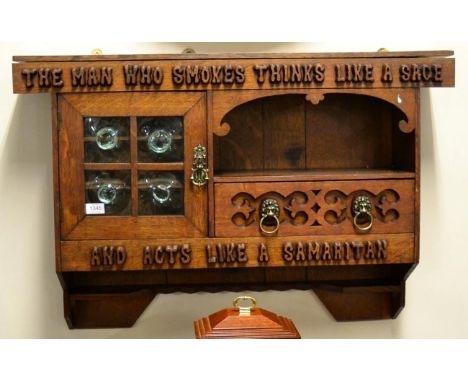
200,167
244,310
270,210
362,207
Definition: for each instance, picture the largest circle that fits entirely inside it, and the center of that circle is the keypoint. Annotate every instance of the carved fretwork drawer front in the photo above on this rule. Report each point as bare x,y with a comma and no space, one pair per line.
311,208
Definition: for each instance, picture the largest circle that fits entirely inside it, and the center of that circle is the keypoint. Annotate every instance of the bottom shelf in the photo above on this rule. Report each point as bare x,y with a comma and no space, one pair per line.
117,299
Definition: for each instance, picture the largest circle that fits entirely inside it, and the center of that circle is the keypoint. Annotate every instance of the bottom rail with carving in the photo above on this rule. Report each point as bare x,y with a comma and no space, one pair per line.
131,255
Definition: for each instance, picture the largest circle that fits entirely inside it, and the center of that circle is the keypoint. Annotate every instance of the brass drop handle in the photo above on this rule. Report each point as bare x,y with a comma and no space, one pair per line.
269,211
362,208
244,310
200,167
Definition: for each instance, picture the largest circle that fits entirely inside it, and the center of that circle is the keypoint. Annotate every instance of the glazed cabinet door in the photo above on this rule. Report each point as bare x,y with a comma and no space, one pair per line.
125,165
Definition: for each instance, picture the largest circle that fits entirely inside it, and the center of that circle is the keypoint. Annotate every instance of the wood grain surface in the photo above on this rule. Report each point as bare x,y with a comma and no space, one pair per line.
119,82
78,255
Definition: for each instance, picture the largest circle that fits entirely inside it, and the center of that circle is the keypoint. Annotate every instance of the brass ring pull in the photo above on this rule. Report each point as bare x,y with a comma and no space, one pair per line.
276,226
269,209
368,226
362,206
244,310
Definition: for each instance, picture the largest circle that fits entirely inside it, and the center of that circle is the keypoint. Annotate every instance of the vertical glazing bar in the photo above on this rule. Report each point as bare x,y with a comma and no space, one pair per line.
134,161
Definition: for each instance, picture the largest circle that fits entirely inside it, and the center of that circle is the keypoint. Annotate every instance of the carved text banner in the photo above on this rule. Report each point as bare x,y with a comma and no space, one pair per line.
238,74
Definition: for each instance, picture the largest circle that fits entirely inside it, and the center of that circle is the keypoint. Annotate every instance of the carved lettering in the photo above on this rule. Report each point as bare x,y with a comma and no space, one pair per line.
159,255
337,251
168,254
231,253
313,251
228,74
240,74
370,254
326,255
178,75
275,73
381,249
286,73
29,76
260,69
421,73
307,252
96,257
319,73
94,77
437,70
263,255
147,256
347,250
426,72
296,73
404,73
288,252
205,75
358,73
192,74
121,255
339,74
369,72
185,254
220,252
210,258
387,73
106,76
308,75
241,253
131,74
358,249
216,74
158,75
43,77
78,76
171,250
145,75
107,255
57,80
300,255
416,73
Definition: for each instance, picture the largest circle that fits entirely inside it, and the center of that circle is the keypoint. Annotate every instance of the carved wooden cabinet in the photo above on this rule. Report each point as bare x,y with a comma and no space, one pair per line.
234,172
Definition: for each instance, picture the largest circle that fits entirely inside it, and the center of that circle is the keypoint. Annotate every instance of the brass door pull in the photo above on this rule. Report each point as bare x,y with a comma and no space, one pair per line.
362,208
270,211
200,167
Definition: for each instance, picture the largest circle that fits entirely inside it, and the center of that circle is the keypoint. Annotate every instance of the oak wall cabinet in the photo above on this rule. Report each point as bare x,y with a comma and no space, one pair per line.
233,172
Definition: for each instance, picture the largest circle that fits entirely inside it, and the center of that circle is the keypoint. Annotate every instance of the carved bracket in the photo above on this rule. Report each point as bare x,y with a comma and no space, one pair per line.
403,99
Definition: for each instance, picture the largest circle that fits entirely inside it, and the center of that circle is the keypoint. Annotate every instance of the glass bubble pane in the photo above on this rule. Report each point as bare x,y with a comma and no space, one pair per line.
107,139
160,139
112,188
161,193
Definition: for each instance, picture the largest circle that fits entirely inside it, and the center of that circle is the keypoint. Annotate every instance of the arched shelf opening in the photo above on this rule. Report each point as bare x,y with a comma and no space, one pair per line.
312,134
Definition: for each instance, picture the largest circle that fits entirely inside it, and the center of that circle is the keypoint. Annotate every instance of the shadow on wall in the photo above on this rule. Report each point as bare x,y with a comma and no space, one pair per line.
28,223
430,212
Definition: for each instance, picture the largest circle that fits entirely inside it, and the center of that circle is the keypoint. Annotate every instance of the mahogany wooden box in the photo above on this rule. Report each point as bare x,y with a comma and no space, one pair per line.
235,172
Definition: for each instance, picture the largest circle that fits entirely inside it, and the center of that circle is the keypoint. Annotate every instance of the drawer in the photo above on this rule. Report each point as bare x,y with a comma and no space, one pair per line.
316,207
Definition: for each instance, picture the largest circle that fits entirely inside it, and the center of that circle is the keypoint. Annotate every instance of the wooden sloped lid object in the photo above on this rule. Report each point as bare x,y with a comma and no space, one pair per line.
245,322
